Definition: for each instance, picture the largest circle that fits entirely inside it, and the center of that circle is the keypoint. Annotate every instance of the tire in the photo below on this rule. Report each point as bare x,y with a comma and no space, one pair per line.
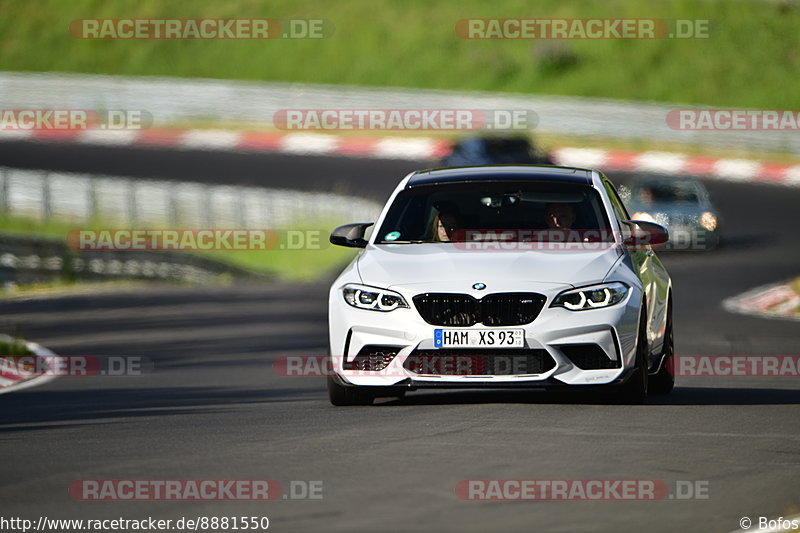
340,395
664,380
390,392
634,390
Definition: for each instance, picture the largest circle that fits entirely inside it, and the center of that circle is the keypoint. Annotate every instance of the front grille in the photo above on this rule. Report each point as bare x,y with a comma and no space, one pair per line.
372,358
500,309
588,356
473,362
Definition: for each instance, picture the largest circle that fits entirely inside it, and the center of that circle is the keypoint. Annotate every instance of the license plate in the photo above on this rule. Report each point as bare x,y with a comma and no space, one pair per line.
474,338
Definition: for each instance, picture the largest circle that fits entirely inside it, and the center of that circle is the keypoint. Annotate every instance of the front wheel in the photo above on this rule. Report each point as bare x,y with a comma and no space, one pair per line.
341,395
664,380
634,391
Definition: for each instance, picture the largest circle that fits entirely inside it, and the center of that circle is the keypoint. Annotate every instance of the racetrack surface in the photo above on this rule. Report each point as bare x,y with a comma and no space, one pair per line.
372,178
213,407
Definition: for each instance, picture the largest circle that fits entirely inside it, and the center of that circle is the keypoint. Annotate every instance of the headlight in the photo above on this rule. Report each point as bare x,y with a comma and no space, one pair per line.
371,298
593,297
708,221
644,216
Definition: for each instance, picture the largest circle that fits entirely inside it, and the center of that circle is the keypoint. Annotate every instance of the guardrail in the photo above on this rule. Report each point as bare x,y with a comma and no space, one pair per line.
45,195
131,203
171,100
28,260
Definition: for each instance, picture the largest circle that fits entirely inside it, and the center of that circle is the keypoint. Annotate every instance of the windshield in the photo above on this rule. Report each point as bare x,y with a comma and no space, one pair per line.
502,210
679,192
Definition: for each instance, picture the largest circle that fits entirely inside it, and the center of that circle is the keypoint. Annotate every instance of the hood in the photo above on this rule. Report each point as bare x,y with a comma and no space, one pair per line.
403,264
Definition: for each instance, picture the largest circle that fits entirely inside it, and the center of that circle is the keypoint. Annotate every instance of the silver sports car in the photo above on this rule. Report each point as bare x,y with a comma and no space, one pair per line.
682,205
501,276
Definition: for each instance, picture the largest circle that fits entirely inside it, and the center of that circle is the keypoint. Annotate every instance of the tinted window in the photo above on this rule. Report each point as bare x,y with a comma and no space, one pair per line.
679,192
420,213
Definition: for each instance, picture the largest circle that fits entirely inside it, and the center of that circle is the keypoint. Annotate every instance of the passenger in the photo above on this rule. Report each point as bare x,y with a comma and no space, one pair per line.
445,225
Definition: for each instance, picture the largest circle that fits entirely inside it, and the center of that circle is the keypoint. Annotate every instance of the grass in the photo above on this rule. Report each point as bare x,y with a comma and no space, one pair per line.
71,287
795,285
305,264
750,60
12,352
13,347
292,265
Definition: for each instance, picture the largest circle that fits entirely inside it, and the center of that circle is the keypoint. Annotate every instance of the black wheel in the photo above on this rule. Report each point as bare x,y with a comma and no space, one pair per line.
634,391
340,395
664,380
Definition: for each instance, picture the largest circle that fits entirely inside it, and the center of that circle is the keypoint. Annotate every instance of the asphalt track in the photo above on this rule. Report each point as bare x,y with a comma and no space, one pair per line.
213,407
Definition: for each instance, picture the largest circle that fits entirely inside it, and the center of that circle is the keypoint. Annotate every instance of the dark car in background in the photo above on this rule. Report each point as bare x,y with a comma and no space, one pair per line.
680,204
495,150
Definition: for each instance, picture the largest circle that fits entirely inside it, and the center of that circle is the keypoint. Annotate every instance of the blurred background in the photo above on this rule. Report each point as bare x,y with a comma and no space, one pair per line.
200,140
210,154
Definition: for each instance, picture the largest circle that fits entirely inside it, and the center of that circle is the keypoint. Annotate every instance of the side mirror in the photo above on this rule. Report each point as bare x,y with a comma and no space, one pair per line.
351,235
646,233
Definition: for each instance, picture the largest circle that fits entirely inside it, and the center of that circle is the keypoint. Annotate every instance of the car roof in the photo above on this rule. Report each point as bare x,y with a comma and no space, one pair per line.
543,173
495,139
678,181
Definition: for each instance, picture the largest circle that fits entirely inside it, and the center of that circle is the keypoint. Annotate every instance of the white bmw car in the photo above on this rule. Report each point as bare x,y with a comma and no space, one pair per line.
501,277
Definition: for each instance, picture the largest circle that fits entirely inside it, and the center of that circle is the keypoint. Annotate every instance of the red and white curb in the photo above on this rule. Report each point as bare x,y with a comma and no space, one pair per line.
225,140
413,148
12,379
742,170
778,300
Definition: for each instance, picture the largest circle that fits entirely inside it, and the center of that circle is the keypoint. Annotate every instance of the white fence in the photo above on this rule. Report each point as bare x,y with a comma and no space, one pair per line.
180,99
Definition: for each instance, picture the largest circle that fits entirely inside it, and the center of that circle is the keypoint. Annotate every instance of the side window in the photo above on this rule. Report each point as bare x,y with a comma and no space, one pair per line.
619,207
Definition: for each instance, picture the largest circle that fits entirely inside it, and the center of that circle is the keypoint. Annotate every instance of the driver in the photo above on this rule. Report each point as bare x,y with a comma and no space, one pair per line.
559,215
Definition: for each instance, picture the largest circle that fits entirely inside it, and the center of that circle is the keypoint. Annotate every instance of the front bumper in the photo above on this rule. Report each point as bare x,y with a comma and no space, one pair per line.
612,331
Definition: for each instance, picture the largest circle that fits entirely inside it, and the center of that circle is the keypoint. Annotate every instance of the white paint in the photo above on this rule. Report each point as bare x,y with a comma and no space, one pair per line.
581,157
210,139
309,143
662,162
